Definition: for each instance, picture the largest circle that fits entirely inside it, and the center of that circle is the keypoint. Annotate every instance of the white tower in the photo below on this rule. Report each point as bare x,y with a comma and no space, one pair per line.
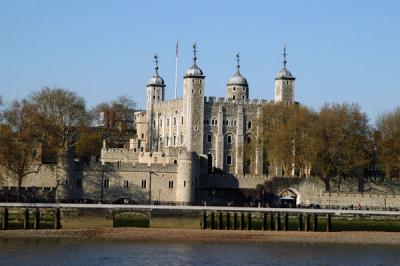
155,93
284,84
193,94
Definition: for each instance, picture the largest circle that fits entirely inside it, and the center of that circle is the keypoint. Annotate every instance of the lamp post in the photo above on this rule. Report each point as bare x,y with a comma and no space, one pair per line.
263,201
213,193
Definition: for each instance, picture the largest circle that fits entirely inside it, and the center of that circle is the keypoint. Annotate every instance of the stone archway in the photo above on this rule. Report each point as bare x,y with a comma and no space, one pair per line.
289,198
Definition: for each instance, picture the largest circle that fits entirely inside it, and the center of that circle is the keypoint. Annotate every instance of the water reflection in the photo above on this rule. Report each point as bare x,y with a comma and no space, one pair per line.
74,252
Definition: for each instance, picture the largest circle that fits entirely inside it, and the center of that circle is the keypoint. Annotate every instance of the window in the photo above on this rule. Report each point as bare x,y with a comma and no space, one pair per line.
167,122
144,183
234,88
79,183
184,183
174,140
142,136
229,159
249,124
229,139
126,183
182,120
167,140
248,140
234,97
171,184
154,123
243,97
209,138
181,139
174,121
106,183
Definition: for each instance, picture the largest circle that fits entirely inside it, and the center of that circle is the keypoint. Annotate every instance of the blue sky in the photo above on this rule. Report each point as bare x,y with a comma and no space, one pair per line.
340,51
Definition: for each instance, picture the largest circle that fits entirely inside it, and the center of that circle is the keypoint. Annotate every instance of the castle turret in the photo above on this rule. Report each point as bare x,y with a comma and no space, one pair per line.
237,86
188,169
284,84
155,93
193,94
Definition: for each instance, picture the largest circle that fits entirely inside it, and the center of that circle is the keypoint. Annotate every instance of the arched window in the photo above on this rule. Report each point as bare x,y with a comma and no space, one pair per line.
182,139
229,139
174,140
174,121
229,159
249,124
209,138
234,97
248,139
167,140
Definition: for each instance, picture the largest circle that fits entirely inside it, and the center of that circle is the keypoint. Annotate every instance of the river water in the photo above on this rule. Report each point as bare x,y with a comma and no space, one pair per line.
75,252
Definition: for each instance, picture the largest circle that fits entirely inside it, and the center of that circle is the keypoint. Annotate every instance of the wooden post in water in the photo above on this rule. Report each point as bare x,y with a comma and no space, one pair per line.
4,225
307,226
278,222
329,223
249,221
212,220
36,224
228,221
235,221
264,224
242,221
204,221
286,226
271,222
26,218
300,222
315,223
57,219
220,221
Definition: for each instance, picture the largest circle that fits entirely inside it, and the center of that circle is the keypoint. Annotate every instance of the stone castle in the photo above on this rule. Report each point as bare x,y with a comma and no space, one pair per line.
198,136
186,150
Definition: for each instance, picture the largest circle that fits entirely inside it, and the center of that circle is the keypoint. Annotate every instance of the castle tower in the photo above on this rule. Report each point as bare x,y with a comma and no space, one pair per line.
155,93
237,86
188,169
284,84
193,94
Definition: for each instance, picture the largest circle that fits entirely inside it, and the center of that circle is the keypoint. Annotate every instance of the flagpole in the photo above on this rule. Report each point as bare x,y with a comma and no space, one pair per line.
176,70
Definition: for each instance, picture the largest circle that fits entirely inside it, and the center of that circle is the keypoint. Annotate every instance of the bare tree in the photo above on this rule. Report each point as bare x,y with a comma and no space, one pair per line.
387,139
20,138
116,118
63,112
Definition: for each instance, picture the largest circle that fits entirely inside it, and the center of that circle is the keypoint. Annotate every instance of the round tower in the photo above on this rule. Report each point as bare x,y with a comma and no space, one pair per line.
186,178
155,93
237,86
193,84
284,84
